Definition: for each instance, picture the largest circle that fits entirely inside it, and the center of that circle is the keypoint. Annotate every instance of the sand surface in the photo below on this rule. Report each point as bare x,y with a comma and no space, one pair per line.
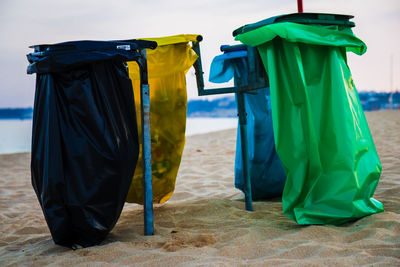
205,222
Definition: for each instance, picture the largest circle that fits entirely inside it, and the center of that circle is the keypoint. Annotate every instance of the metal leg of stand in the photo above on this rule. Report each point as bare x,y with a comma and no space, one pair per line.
243,137
241,85
146,146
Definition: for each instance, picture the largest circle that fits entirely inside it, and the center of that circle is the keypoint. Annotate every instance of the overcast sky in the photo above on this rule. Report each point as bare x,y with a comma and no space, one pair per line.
23,23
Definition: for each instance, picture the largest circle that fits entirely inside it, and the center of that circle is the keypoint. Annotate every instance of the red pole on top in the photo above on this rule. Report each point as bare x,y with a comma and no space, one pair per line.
300,6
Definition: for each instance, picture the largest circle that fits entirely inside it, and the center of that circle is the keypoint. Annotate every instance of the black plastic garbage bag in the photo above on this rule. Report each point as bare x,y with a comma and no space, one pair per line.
85,140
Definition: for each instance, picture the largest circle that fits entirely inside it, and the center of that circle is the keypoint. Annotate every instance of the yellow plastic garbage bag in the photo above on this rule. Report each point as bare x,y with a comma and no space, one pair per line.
167,67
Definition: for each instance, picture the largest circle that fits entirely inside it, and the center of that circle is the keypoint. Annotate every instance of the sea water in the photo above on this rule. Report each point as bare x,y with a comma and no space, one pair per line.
207,125
15,135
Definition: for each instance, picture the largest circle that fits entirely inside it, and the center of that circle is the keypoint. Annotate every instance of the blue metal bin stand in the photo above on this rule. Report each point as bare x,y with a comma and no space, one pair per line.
256,79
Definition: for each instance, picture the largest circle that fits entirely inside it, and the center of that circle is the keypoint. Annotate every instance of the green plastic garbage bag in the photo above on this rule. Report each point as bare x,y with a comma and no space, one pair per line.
321,134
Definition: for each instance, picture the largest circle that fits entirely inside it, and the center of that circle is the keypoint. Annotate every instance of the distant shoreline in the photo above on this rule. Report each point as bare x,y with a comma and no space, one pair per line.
225,107
16,113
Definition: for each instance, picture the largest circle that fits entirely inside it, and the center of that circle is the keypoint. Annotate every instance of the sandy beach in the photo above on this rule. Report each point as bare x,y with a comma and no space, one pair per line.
205,222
